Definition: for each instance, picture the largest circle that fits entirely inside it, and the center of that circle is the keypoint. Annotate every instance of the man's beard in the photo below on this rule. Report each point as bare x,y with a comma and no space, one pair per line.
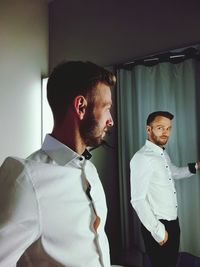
89,130
158,140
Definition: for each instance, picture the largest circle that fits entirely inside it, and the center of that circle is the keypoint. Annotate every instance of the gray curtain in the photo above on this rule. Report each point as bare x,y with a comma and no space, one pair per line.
142,90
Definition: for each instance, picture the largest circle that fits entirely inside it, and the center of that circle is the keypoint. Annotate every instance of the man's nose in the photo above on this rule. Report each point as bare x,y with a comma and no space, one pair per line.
110,122
166,132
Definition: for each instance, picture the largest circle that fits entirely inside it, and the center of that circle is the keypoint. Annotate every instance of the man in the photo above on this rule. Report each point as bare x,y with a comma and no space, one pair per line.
52,204
153,194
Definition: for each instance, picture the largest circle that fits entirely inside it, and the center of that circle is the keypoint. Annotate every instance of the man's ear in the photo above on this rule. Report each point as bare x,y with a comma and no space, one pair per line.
148,129
80,104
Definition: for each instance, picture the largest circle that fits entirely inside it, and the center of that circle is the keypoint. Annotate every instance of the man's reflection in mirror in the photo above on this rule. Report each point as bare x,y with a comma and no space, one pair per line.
153,193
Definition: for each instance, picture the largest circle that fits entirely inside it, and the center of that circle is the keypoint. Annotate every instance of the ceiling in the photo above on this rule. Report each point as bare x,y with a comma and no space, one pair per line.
114,31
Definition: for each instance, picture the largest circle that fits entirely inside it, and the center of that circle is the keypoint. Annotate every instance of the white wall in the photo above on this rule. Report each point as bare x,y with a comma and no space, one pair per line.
23,59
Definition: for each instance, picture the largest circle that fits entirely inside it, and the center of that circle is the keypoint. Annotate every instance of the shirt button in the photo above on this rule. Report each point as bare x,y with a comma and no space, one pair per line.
161,154
81,158
174,192
167,166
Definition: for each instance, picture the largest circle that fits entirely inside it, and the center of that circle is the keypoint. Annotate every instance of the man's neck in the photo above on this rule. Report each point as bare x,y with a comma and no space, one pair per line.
161,146
69,137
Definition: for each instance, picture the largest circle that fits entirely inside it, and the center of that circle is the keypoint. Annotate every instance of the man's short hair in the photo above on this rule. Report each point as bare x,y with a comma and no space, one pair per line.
155,114
72,78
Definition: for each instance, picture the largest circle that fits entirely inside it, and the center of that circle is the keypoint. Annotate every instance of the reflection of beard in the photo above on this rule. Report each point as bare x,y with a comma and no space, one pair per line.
159,141
89,129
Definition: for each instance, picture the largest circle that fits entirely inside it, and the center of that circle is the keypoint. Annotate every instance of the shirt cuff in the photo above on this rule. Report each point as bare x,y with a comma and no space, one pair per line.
159,235
192,167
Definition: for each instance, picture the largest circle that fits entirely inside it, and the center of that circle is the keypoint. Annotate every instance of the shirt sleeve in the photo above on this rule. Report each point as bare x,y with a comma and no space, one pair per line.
140,174
181,172
19,226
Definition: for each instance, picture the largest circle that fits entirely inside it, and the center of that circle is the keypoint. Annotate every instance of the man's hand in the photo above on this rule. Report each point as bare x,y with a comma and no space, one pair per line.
165,239
198,165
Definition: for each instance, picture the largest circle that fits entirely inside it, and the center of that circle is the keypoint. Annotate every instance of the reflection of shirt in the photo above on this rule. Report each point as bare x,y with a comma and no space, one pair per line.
153,194
46,216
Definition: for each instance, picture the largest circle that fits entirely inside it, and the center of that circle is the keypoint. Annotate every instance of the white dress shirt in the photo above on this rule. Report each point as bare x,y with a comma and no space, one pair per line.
46,218
153,194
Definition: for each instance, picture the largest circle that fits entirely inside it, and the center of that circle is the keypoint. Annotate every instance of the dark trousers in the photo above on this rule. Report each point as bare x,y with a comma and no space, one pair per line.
166,255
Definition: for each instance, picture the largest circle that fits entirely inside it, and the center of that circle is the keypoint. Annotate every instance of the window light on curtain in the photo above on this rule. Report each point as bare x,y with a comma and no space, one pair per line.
47,117
142,90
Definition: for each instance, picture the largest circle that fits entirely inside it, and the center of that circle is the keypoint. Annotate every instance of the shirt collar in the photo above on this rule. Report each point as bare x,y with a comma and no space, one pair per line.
59,152
154,147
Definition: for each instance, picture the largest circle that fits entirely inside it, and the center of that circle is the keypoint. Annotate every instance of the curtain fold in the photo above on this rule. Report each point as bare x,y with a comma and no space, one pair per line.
140,91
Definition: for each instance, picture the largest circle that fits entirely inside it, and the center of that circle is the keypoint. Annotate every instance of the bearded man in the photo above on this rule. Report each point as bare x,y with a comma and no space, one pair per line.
54,210
153,193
